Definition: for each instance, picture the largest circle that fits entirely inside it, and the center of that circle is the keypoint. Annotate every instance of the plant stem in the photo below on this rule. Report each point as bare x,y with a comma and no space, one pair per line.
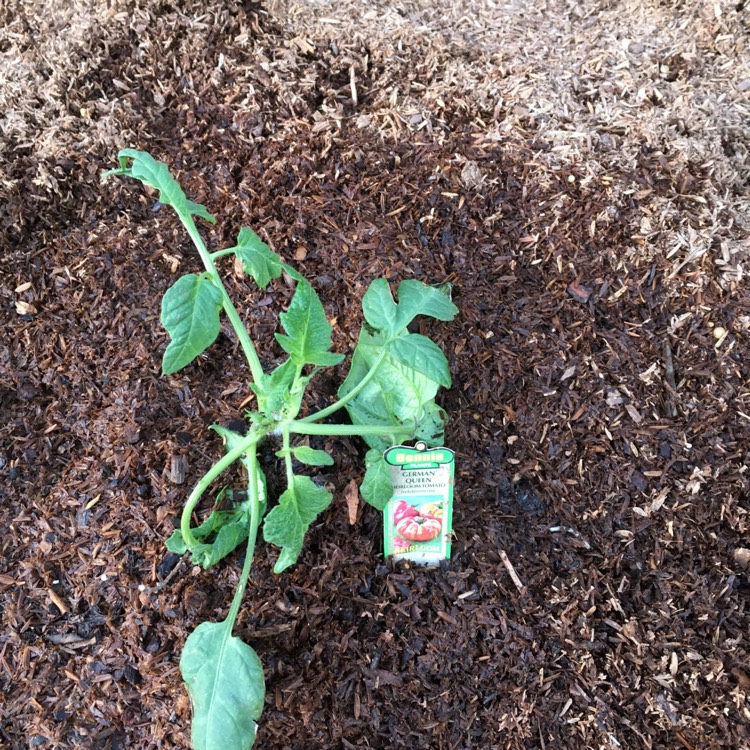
253,535
306,428
248,348
222,253
287,456
246,446
349,396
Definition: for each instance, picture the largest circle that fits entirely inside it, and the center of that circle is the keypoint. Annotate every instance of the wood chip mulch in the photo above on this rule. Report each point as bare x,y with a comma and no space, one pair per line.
577,170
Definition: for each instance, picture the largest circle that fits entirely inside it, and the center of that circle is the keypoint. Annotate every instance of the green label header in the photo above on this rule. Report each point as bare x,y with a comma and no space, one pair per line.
401,455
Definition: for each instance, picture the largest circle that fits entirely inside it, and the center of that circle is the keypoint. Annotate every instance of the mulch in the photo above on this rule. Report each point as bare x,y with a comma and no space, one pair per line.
600,410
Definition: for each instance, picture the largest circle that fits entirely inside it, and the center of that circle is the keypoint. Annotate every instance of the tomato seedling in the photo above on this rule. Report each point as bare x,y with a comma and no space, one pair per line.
389,394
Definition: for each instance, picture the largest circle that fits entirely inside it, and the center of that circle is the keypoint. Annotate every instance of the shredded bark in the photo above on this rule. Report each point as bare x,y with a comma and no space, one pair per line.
577,171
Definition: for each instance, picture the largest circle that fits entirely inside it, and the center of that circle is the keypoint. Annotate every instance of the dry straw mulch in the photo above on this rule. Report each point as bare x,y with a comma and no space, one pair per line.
578,171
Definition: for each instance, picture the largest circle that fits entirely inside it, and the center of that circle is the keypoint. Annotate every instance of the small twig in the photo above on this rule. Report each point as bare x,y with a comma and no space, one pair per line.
572,531
684,742
353,86
512,572
669,373
162,584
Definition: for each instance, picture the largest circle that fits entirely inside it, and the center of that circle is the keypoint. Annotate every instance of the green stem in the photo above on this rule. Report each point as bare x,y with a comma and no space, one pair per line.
222,253
349,396
253,535
245,446
248,348
306,428
287,456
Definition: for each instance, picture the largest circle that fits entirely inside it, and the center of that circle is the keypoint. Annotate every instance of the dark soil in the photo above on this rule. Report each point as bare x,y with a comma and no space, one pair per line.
601,425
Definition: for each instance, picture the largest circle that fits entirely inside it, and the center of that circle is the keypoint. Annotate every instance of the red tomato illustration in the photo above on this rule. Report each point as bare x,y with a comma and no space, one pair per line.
400,545
418,528
403,510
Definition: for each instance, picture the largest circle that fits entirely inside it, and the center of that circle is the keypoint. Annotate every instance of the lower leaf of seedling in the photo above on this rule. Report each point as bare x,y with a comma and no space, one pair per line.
389,394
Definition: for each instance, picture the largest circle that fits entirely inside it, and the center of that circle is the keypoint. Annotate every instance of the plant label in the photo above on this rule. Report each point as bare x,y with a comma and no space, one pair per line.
419,517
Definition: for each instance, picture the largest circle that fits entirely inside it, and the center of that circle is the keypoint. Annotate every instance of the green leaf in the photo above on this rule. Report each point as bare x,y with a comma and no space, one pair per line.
287,523
376,488
231,533
196,209
423,355
176,543
380,311
224,530
431,425
190,313
309,331
219,535
397,394
287,557
414,298
273,390
311,457
230,536
156,174
258,260
404,384
225,680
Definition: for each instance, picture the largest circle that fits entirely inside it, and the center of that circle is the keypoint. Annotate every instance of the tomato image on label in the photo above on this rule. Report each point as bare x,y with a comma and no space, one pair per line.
431,510
403,510
401,545
418,528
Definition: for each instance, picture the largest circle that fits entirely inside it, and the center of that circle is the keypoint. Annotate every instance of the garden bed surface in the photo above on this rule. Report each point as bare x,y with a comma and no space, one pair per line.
578,172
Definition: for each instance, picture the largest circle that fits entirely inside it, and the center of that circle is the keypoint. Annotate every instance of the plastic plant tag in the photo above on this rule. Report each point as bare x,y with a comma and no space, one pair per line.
419,517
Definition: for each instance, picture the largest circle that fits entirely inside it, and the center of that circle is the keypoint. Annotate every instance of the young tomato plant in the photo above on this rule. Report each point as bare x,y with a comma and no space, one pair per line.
389,394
